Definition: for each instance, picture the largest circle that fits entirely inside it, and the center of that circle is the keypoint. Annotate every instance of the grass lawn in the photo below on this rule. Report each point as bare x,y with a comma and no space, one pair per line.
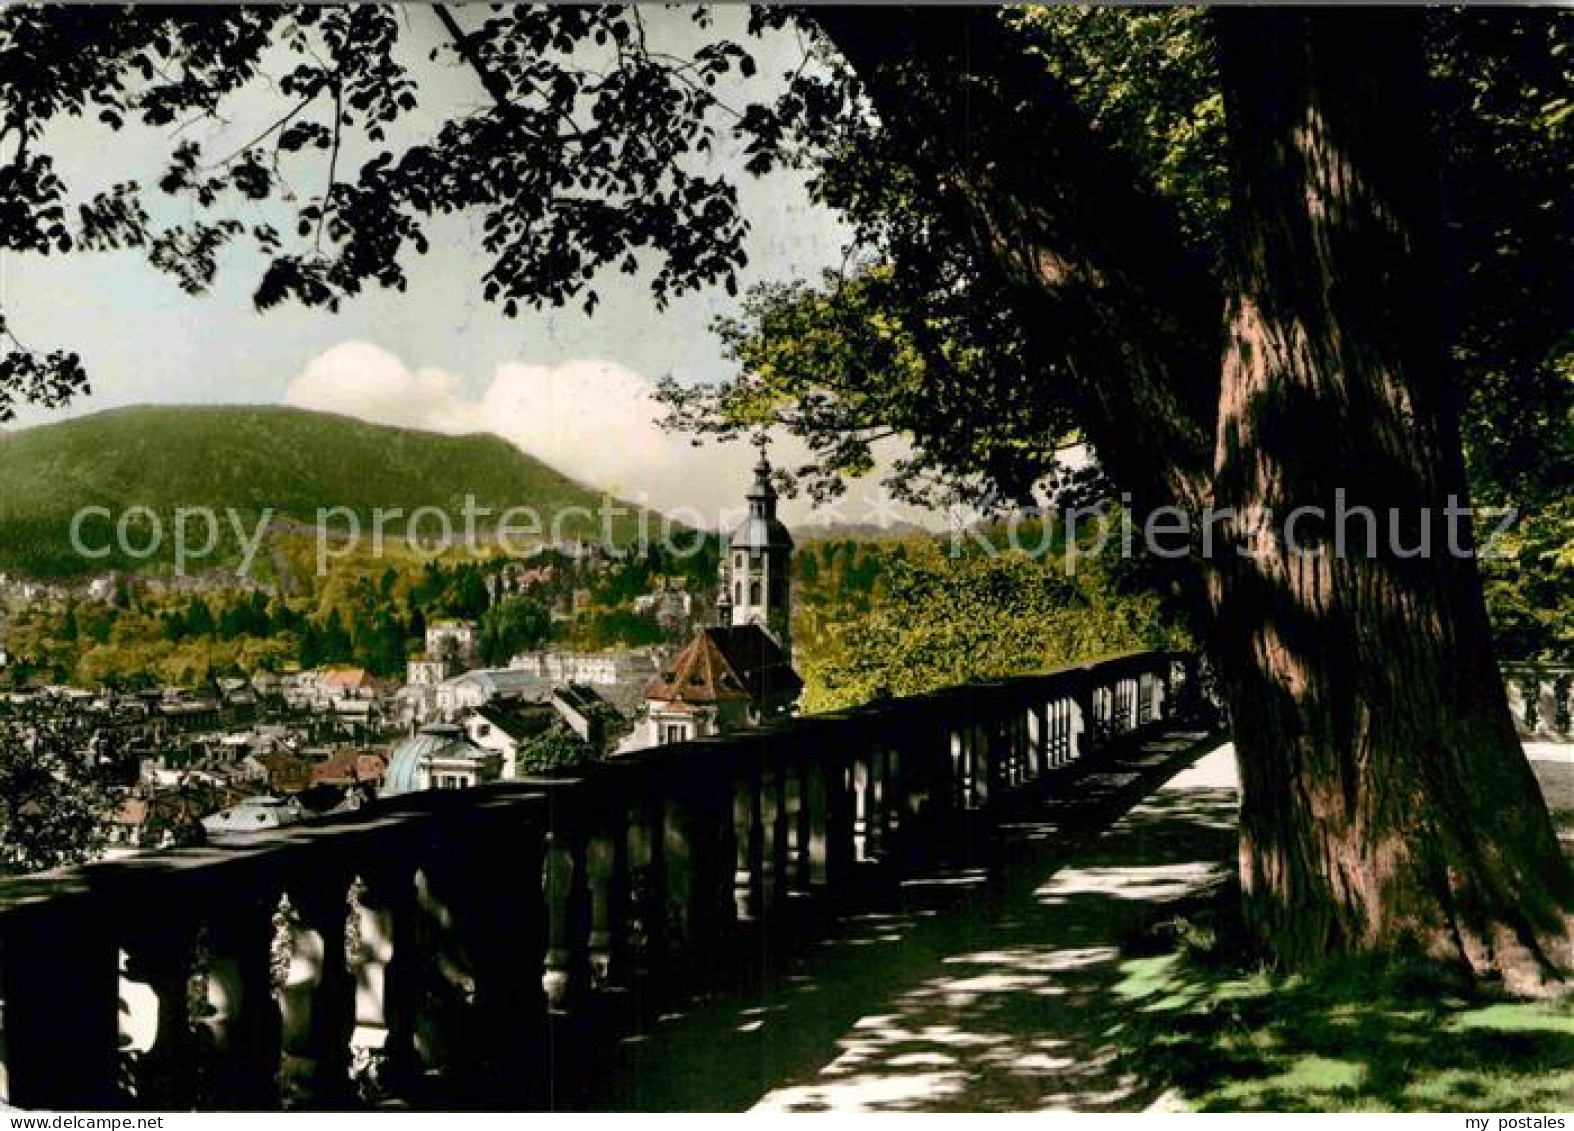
1227,1038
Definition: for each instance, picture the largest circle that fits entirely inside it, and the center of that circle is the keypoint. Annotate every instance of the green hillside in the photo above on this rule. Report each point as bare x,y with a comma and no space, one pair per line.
249,459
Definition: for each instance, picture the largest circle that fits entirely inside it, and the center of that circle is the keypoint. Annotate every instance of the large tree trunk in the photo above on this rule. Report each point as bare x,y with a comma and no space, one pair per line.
1387,804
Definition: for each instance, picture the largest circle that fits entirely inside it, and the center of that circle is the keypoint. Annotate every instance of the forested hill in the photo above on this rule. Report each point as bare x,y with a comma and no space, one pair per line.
250,459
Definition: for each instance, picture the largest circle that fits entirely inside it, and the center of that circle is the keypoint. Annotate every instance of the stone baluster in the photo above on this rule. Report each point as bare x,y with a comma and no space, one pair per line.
720,856
778,858
651,943
841,848
700,857
1084,720
388,966
317,1001
805,828
893,793
608,861
817,818
1010,775
1021,724
1037,723
493,1050
1016,737
749,842
59,977
982,747
243,1015
960,777
1065,731
566,883
936,768
872,764
161,954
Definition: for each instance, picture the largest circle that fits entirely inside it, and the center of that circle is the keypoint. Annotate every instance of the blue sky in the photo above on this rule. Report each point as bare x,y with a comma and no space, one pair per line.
436,355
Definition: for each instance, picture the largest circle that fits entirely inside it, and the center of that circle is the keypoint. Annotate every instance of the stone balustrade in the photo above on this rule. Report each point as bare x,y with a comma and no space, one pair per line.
450,945
1541,697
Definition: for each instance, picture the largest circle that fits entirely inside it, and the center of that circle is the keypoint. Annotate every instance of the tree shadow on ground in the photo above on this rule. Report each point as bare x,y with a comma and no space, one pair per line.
1093,963
1353,1036
971,989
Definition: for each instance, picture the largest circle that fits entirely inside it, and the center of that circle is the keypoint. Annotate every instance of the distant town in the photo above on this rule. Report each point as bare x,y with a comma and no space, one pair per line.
497,693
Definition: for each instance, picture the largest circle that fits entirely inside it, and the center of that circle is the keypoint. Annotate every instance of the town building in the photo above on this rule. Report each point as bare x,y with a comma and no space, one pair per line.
260,814
726,679
619,675
738,673
505,730
488,685
426,670
438,756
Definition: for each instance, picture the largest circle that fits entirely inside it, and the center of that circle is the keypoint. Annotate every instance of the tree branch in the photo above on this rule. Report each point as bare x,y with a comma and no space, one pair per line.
491,81
1096,263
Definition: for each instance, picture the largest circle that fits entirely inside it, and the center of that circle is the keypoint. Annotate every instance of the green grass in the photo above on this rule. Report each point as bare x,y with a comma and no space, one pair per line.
1352,1038
249,459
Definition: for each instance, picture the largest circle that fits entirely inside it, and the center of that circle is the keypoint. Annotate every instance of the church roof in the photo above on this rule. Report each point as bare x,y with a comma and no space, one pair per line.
759,533
731,664
761,530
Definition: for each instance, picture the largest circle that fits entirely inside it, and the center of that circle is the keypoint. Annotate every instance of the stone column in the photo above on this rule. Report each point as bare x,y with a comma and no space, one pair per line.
59,977
161,954
568,902
317,1002
243,1013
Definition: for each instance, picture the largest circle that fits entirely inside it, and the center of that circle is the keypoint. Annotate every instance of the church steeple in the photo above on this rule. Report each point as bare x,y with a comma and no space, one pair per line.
762,494
757,562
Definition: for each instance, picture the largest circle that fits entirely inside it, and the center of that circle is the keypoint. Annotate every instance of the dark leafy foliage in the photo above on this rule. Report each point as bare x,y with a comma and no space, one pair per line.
52,805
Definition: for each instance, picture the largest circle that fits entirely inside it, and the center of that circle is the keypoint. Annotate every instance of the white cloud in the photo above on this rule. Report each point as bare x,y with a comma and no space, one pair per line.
593,420
366,381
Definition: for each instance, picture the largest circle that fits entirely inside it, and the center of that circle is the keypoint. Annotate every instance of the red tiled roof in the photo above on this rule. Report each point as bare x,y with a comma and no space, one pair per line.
726,665
349,767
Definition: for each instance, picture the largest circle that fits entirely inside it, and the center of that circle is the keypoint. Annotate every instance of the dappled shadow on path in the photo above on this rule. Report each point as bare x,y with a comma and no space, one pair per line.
974,989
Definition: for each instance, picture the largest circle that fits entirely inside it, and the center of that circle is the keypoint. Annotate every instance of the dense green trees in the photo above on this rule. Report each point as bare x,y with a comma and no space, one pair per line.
939,619
52,806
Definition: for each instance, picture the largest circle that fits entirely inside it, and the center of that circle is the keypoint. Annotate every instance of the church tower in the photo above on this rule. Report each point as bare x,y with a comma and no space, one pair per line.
756,565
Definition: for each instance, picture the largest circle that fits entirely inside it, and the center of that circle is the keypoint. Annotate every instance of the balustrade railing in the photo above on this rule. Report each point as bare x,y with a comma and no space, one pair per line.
1541,697
446,944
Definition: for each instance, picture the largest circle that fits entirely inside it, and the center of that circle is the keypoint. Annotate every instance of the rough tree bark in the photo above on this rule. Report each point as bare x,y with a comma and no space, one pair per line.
1387,806
1386,802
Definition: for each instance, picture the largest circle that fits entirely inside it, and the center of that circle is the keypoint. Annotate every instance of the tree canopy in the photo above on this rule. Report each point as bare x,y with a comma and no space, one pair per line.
591,150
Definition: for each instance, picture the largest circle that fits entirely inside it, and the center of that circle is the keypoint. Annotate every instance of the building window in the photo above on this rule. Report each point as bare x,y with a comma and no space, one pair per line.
674,732
739,559
754,592
737,592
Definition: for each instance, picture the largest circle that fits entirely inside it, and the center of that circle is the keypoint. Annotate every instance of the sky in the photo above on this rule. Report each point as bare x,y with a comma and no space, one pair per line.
568,388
